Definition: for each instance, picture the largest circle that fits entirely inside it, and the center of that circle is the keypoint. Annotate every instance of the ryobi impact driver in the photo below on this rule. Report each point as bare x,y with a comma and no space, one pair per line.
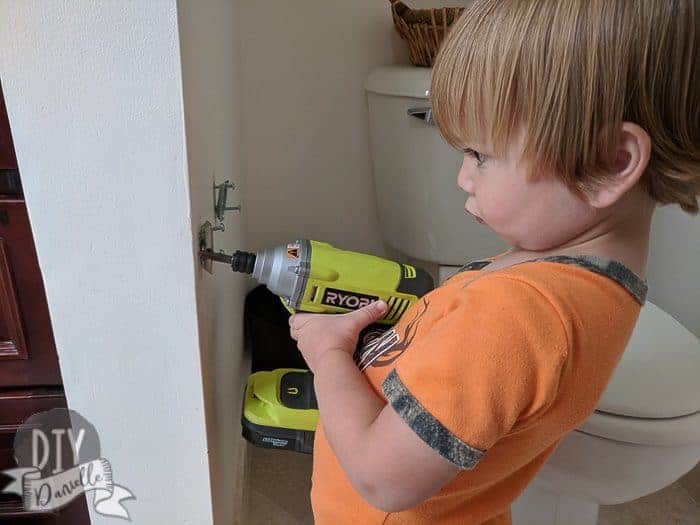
279,406
312,276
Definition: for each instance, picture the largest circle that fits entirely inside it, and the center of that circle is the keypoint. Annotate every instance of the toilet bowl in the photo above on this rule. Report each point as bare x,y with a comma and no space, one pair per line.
645,433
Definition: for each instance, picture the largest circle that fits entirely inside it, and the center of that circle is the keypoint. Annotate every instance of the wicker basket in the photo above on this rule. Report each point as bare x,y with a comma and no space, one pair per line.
423,29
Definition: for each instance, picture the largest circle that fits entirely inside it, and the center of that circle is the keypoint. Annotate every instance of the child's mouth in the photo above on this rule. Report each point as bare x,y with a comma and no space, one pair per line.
476,217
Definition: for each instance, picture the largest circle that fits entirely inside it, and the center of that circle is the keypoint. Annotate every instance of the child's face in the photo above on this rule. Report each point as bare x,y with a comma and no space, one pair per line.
538,214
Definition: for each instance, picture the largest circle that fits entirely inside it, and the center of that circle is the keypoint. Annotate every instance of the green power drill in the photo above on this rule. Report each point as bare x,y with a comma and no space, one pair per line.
279,406
312,276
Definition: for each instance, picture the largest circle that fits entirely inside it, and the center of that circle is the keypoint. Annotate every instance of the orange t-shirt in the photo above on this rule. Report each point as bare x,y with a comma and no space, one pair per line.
491,370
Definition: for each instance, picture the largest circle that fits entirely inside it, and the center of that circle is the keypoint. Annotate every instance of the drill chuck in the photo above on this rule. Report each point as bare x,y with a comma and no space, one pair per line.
243,262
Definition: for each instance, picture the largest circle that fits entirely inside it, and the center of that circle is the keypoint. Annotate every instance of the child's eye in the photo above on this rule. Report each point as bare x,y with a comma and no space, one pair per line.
480,158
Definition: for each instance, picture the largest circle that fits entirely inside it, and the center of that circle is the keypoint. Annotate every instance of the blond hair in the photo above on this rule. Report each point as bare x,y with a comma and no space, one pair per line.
570,72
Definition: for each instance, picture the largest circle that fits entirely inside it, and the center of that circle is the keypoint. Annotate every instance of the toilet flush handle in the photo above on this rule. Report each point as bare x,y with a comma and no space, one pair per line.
424,113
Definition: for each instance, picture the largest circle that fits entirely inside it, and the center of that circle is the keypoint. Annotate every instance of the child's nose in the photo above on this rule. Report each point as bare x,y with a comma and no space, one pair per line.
464,180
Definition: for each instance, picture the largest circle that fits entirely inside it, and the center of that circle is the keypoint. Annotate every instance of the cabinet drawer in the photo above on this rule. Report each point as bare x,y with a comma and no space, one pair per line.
16,406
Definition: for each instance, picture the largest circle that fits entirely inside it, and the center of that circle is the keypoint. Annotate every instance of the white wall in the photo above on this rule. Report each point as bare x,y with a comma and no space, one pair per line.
304,115
209,45
94,96
674,265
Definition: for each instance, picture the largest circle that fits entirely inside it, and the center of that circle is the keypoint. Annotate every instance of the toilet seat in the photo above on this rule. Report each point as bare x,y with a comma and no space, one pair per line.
670,432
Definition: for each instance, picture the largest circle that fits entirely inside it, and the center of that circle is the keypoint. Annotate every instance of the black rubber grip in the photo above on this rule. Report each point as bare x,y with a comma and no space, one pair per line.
419,285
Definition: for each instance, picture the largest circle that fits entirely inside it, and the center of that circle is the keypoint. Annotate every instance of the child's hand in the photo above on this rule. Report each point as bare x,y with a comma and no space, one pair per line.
318,334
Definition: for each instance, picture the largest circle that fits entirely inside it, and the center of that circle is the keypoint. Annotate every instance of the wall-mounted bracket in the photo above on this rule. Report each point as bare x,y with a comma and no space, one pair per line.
220,193
206,230
206,244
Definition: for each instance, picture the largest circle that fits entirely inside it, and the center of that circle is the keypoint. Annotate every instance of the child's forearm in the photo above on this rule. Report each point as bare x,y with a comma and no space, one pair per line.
348,407
378,452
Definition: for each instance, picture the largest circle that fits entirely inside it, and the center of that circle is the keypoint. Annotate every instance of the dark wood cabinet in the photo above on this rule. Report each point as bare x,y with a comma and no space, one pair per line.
7,150
12,343
9,174
30,379
16,405
27,350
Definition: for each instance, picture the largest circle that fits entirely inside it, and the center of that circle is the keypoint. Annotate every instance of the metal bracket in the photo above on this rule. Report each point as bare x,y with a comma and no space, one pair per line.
221,202
206,230
206,244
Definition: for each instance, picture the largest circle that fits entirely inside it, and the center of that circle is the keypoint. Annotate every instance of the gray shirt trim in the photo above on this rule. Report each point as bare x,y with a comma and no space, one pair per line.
429,429
609,268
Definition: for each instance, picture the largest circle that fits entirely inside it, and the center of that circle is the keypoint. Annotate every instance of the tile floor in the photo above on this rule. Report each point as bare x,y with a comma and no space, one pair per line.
279,481
277,488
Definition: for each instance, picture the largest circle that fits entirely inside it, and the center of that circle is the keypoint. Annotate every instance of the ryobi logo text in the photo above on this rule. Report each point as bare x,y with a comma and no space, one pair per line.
349,300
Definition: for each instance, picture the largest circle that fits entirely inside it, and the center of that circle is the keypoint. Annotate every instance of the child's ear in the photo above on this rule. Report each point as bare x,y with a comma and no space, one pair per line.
630,159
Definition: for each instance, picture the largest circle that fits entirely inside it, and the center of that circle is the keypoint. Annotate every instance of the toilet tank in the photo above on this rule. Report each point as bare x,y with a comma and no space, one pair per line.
421,208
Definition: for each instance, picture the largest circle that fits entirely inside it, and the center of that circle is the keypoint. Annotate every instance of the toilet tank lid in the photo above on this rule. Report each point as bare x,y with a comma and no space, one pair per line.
402,81
658,375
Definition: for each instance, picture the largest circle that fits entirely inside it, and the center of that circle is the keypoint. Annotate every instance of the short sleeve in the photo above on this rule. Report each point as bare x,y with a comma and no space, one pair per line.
491,359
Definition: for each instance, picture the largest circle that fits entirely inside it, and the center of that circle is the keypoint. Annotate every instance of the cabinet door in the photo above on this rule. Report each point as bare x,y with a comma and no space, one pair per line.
7,152
27,350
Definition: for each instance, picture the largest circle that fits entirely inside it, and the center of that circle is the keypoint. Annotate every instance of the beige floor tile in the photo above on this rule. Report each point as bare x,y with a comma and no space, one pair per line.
278,487
691,483
670,506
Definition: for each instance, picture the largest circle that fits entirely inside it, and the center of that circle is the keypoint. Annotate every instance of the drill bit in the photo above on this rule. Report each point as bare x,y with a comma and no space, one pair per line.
218,257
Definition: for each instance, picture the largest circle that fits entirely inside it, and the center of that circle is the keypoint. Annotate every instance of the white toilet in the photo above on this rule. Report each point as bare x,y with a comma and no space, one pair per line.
645,433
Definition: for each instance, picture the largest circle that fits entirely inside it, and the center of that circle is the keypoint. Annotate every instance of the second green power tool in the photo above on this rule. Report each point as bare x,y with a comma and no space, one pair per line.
313,276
